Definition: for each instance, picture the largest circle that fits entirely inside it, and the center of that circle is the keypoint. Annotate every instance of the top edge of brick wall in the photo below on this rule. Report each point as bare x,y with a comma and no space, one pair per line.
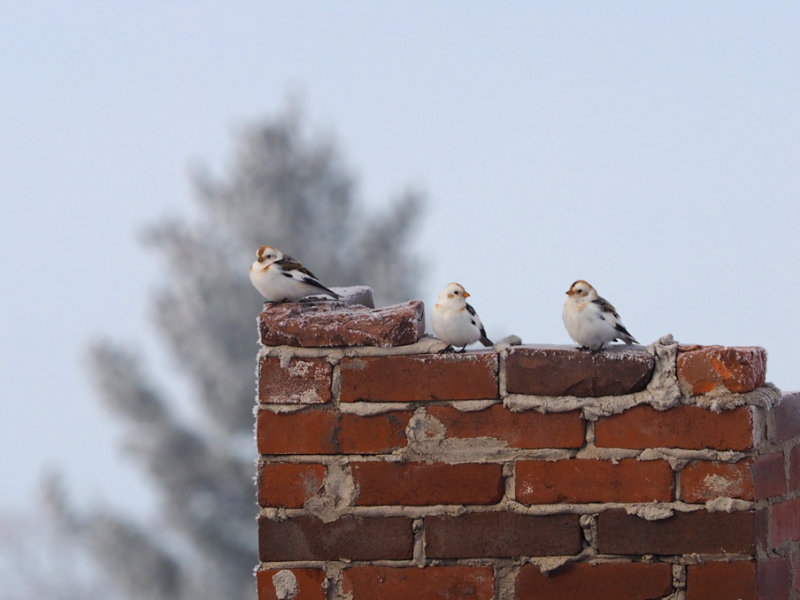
739,369
617,370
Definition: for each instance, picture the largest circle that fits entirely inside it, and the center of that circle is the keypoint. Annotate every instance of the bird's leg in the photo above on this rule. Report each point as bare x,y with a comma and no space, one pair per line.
463,348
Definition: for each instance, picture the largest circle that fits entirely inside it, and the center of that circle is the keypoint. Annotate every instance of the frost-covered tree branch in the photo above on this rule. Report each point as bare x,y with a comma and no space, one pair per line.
284,187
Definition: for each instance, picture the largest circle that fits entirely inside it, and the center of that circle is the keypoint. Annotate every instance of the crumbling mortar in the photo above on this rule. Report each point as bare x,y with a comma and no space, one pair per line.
651,511
505,577
484,450
613,455
336,386
509,481
589,434
662,393
426,345
589,529
418,528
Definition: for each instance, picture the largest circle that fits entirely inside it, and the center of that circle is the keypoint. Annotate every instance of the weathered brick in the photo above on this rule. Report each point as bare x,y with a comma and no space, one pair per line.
328,432
769,476
308,584
501,535
722,581
301,381
584,581
705,480
304,432
689,427
430,583
373,434
701,369
528,429
579,480
563,371
347,538
450,376
698,532
787,417
794,469
336,324
420,483
784,523
289,484
774,580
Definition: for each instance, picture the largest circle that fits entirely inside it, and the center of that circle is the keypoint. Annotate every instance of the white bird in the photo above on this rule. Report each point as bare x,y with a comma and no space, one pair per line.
591,320
280,278
456,322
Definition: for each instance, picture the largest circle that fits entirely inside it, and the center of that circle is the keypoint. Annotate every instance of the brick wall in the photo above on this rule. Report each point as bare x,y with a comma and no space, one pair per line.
390,471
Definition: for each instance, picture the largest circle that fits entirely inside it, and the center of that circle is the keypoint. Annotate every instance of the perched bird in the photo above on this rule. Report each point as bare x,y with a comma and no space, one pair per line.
281,278
456,322
591,320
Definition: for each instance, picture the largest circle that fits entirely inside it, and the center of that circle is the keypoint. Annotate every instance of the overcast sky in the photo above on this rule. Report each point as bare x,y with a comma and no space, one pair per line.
650,148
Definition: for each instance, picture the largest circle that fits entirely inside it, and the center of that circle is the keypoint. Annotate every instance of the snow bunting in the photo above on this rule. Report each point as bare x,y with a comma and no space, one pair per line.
280,277
456,322
591,320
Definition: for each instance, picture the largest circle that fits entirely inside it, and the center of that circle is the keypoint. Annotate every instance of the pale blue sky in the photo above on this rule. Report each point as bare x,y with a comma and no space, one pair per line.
650,148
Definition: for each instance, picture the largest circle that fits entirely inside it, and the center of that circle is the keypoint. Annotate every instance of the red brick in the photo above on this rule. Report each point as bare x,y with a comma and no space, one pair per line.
577,480
554,371
301,381
529,429
309,584
795,568
468,376
430,583
722,581
347,538
289,484
705,480
787,417
304,432
373,434
336,324
700,369
698,532
501,535
794,469
769,476
688,427
584,581
784,523
420,484
773,579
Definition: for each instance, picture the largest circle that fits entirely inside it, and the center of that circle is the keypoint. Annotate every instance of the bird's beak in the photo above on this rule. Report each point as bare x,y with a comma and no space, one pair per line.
568,292
466,295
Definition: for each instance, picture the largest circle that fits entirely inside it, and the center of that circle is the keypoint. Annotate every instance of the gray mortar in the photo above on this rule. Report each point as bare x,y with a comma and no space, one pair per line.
426,345
505,582
418,528
427,442
285,584
728,505
338,494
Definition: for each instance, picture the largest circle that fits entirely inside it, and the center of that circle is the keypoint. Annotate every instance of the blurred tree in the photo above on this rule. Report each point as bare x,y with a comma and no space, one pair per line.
286,188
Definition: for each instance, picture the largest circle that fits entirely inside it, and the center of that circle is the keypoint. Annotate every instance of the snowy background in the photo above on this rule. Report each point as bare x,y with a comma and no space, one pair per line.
650,149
